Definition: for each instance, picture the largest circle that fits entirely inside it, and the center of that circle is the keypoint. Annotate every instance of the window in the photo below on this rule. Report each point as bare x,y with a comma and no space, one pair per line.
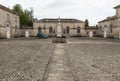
15,28
16,32
54,31
8,17
50,29
39,30
7,25
101,28
64,31
78,29
94,32
87,32
111,28
67,30
15,19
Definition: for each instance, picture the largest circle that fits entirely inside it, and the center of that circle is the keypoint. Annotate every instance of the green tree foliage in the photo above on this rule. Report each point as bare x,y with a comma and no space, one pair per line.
86,23
26,16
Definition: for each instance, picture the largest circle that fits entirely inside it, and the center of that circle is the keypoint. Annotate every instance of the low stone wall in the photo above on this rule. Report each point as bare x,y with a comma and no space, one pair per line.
3,32
22,32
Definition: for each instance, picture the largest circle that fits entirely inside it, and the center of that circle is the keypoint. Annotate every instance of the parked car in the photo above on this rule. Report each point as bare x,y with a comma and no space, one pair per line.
42,36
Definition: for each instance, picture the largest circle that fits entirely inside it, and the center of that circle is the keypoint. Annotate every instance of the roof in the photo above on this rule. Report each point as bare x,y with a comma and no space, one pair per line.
108,19
62,20
117,7
7,9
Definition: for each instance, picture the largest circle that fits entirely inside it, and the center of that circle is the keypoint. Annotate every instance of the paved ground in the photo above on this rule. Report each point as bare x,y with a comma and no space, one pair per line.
24,60
59,69
81,59
95,59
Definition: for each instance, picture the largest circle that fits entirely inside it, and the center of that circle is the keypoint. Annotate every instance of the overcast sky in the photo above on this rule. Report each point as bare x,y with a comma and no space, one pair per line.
93,10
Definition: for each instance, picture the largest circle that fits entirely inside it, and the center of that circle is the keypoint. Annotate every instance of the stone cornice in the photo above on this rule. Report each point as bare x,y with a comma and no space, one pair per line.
7,9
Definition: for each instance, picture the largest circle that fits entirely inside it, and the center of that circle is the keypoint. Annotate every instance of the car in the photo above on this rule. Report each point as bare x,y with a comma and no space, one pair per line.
42,36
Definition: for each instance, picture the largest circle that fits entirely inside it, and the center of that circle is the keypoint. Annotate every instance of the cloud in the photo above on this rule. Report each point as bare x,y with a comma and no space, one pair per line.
93,10
59,4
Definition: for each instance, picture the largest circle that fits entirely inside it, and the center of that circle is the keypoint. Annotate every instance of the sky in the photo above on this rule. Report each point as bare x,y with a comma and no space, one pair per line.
93,10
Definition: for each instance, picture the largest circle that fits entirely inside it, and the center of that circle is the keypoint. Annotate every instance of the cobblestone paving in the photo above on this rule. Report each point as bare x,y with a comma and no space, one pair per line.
59,69
81,59
95,60
21,61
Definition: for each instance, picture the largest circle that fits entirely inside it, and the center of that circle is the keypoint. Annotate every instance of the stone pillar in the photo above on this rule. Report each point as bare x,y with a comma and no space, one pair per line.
26,34
90,34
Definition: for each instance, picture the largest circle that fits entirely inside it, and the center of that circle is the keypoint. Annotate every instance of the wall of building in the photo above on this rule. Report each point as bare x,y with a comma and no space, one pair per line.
72,28
111,28
8,19
117,12
107,24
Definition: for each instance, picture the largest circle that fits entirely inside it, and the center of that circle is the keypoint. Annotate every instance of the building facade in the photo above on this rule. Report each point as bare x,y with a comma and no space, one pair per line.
70,27
9,23
111,25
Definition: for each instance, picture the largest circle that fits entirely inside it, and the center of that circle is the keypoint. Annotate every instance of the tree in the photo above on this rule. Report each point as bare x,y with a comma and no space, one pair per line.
26,16
17,8
30,16
86,23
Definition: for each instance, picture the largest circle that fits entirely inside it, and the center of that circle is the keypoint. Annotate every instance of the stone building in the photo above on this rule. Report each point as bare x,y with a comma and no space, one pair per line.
93,30
110,25
9,23
70,27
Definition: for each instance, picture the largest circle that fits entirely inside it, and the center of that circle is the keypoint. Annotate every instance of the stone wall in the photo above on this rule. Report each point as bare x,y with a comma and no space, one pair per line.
23,30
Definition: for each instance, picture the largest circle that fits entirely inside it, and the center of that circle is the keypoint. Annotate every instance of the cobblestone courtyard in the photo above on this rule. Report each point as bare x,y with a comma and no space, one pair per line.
80,59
